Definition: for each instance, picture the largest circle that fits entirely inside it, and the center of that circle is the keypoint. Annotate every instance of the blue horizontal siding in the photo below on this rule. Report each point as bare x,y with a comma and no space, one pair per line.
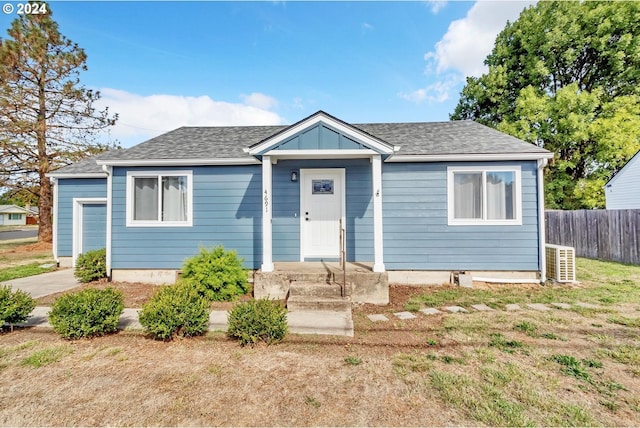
226,211
68,189
417,236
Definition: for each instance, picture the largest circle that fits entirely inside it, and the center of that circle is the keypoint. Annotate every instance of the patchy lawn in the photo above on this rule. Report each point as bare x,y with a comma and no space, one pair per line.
572,367
22,257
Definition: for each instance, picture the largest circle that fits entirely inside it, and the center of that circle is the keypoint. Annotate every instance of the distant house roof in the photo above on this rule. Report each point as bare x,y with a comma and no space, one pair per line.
13,209
634,158
230,143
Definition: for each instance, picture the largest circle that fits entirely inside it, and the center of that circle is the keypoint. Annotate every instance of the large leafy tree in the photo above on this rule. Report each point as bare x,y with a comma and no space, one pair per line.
47,118
566,76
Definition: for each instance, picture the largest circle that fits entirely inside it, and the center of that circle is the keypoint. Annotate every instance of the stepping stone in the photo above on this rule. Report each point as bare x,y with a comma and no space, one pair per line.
538,306
430,311
587,305
513,307
47,266
455,309
562,305
481,307
377,317
404,315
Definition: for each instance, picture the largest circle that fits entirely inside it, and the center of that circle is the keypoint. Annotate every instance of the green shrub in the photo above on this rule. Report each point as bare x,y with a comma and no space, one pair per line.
175,310
91,266
258,320
217,274
87,313
15,306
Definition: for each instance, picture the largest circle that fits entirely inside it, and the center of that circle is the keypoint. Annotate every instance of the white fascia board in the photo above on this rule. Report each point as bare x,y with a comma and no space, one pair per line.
470,157
179,162
314,120
320,154
76,175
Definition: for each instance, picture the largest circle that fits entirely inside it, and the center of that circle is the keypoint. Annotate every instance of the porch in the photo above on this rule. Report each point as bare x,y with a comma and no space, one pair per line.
323,280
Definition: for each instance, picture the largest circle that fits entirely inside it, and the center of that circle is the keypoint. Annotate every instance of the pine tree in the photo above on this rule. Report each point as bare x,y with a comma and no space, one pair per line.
47,118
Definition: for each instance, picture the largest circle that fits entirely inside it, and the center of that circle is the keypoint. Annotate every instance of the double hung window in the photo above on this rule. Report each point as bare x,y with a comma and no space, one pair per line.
484,195
159,198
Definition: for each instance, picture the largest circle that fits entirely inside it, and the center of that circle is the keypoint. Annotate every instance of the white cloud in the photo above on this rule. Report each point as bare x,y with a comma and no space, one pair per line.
365,26
142,117
436,5
262,101
438,92
469,40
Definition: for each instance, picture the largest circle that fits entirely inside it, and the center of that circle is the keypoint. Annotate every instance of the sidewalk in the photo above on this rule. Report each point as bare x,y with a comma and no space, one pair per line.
301,322
45,283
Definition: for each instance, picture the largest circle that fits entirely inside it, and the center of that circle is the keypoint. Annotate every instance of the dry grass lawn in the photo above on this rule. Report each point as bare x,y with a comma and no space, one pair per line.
574,367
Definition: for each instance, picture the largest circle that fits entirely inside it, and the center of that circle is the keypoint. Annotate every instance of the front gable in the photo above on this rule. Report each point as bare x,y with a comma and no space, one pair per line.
321,132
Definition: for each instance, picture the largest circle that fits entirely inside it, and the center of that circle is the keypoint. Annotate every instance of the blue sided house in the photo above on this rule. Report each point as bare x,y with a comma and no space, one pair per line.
405,202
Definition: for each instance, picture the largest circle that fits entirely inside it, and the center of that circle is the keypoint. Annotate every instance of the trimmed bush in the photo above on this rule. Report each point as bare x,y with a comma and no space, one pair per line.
175,310
15,306
87,313
258,320
91,266
217,274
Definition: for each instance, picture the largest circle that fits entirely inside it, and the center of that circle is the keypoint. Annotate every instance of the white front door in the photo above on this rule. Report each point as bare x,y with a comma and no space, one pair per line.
321,209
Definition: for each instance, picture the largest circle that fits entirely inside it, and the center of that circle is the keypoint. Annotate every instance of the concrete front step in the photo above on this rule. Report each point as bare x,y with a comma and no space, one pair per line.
316,289
316,303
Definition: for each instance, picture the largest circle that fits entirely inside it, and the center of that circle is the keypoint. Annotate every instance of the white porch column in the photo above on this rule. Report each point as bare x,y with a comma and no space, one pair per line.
378,245
267,250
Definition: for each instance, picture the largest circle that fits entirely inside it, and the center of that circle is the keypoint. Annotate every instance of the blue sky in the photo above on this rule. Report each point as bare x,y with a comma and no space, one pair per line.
162,65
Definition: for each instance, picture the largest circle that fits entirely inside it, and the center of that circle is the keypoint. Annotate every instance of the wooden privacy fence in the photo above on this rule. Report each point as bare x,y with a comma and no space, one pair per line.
597,234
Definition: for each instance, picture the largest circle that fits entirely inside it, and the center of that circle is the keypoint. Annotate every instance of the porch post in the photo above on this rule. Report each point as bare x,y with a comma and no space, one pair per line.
267,255
378,246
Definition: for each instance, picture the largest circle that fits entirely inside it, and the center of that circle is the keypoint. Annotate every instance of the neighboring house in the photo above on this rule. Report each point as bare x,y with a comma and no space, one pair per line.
416,200
622,192
13,215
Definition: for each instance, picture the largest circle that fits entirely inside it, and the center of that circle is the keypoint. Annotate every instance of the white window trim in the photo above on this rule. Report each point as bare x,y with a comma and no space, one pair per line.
131,175
517,221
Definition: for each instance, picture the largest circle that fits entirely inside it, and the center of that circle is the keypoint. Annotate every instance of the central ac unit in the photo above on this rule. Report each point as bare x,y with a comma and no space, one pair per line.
561,263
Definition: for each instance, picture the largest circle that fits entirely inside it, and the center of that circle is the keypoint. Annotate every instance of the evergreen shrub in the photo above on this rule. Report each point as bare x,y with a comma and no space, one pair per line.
87,313
175,310
217,274
258,320
15,306
91,266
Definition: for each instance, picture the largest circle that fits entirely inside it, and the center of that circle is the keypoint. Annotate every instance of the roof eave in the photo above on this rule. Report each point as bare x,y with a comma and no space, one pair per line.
179,162
76,175
464,157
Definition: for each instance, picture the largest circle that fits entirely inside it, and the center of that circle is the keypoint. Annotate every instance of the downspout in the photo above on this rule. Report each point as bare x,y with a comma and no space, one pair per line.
54,243
541,226
108,170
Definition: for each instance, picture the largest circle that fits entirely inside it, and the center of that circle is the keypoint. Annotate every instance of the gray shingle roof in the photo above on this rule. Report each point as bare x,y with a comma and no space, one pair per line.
420,138
88,165
442,138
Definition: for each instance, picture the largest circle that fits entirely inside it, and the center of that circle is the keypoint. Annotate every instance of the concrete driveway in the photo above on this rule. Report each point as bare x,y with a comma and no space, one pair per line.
45,283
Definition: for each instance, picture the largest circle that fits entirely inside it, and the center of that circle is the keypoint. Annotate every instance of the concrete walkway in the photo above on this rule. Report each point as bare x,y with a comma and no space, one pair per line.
45,283
301,322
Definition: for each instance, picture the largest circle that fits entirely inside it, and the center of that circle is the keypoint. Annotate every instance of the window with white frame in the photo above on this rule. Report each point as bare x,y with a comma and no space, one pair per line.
484,195
15,216
159,198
